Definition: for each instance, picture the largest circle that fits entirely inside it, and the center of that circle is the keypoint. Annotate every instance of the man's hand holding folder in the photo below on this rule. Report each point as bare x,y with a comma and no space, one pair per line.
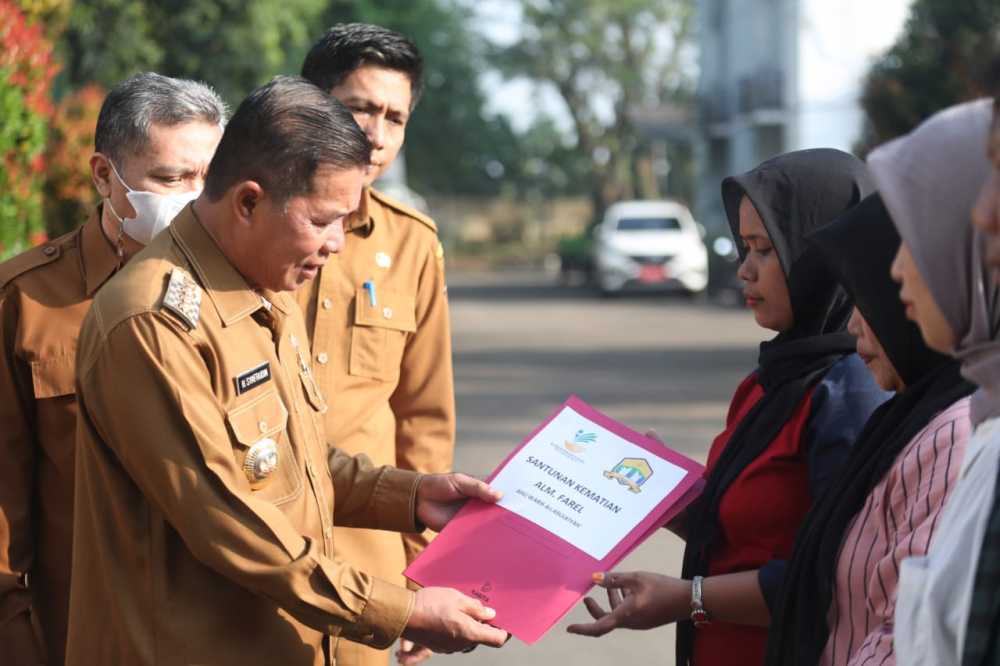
444,619
580,493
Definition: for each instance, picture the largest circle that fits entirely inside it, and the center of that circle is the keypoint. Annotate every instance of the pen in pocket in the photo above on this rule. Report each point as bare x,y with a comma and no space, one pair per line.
370,288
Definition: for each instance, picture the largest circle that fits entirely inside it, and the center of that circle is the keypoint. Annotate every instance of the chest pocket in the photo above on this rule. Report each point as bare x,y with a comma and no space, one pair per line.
379,334
54,376
265,417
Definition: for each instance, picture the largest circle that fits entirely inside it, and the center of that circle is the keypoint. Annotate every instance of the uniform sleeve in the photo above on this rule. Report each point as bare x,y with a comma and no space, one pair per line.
424,401
839,408
382,498
19,643
189,474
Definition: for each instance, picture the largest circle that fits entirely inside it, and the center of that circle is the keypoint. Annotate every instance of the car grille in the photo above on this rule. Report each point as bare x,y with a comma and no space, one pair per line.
646,261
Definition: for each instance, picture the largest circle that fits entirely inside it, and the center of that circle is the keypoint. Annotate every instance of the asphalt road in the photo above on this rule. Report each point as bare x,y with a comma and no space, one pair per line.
522,345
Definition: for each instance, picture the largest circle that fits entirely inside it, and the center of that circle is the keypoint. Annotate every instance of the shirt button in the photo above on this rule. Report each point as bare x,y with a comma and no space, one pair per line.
262,424
327,303
322,358
387,313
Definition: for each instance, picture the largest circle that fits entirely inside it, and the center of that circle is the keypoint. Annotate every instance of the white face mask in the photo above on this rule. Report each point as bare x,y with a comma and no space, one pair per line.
154,212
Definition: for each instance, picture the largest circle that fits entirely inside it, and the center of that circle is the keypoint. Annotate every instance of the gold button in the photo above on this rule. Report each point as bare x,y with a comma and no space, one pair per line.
262,424
327,304
387,313
322,358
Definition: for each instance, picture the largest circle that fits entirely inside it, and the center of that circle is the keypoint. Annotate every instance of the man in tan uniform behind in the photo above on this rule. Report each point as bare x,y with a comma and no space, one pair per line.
155,135
205,498
378,312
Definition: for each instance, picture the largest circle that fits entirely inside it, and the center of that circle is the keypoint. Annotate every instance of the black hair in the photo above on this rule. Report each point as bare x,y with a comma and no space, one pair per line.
280,135
347,46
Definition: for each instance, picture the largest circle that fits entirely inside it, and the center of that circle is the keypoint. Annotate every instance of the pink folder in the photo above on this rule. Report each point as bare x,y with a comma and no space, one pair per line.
530,576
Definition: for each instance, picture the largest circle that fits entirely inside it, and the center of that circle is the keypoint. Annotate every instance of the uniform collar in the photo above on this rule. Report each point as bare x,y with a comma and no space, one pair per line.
227,289
97,256
362,220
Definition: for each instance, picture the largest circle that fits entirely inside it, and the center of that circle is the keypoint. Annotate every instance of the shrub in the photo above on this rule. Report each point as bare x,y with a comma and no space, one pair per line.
69,193
26,72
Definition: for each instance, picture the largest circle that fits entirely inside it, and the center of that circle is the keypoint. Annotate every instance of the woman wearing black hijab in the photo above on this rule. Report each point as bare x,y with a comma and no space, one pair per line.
840,586
789,425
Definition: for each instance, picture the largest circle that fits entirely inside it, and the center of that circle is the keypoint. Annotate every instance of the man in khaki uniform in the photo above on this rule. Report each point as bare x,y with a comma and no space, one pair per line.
205,504
378,312
157,135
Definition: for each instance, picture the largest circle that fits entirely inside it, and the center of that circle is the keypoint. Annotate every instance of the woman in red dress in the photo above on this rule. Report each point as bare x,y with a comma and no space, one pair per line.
790,423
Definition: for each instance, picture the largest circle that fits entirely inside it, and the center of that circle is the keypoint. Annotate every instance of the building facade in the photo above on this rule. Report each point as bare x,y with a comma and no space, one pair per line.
781,75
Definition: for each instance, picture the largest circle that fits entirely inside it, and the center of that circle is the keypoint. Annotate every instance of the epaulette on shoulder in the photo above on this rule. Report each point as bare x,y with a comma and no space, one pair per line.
28,261
400,207
183,298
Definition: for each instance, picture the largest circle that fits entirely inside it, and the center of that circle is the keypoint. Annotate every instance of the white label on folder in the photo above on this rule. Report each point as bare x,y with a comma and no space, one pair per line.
584,483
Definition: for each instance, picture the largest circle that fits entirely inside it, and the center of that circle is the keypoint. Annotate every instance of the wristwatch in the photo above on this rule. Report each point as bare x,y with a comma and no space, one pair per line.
699,616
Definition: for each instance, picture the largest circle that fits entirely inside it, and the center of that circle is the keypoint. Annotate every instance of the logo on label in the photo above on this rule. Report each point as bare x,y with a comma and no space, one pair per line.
483,592
631,472
580,441
252,378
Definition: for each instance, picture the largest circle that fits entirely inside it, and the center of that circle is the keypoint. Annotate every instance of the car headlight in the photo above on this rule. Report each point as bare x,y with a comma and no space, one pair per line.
723,247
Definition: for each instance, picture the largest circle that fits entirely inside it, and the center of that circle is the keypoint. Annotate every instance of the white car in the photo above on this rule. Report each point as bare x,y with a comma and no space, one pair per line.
651,244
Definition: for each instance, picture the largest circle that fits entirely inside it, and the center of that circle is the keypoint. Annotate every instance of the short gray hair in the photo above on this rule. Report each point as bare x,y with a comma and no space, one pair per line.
144,99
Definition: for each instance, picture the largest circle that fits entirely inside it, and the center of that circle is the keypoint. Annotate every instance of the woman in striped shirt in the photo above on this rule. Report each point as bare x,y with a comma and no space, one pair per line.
840,588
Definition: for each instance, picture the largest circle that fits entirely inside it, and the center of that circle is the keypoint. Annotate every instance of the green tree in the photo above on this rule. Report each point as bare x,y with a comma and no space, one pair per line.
946,54
606,59
232,44
452,145
549,165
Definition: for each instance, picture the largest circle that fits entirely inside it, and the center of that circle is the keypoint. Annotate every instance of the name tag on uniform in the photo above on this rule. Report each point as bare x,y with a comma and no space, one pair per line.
253,377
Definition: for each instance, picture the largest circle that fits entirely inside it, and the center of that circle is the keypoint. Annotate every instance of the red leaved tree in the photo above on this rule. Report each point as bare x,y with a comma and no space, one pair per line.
27,68
69,193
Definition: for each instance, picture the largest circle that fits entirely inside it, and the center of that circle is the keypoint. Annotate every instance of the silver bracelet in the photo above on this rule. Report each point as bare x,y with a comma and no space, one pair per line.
699,616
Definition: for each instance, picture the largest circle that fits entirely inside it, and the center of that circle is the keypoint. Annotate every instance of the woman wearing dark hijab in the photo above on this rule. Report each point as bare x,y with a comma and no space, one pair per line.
840,586
789,425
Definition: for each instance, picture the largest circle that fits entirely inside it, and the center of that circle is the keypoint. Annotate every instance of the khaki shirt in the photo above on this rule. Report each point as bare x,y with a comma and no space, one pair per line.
44,295
179,557
389,364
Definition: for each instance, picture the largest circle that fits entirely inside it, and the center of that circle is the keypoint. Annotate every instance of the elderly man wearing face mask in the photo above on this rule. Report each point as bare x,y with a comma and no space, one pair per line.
154,139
